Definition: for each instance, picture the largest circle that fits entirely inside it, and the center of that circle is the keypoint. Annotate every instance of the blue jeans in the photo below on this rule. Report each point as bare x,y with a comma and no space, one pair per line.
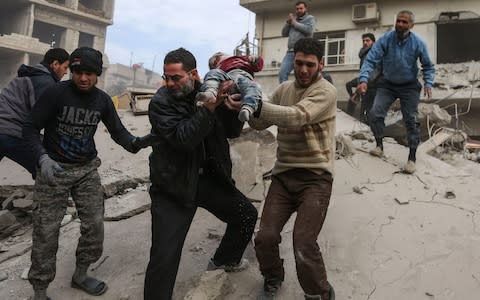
250,90
409,95
17,150
286,67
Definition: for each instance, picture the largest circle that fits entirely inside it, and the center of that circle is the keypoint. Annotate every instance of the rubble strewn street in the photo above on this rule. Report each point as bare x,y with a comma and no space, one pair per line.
388,235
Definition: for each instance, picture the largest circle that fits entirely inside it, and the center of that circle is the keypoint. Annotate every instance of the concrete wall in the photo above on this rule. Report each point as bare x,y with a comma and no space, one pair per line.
336,16
21,22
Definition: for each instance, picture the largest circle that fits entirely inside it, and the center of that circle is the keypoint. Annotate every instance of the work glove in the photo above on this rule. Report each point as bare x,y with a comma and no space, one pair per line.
141,142
49,169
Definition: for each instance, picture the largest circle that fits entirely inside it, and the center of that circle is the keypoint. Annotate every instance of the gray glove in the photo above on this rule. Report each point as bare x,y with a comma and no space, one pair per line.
48,169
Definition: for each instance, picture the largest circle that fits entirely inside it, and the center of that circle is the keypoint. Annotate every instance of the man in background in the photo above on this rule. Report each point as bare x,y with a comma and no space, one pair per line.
296,27
17,100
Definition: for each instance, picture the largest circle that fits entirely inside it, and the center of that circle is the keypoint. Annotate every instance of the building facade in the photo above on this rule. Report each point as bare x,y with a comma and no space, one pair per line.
28,28
448,27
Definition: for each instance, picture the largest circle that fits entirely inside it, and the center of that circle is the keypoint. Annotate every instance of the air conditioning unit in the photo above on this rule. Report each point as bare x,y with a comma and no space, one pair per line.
365,12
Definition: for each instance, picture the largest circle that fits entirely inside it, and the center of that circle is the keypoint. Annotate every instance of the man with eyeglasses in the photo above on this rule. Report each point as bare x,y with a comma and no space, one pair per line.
304,111
190,167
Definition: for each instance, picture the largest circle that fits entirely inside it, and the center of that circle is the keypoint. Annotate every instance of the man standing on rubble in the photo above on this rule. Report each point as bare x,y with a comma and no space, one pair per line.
304,111
17,100
190,167
399,51
69,112
298,25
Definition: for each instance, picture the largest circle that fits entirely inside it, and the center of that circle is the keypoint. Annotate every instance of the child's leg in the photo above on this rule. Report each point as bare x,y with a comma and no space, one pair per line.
211,83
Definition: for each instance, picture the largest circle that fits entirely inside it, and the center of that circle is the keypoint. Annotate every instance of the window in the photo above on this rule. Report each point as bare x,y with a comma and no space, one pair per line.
334,46
455,42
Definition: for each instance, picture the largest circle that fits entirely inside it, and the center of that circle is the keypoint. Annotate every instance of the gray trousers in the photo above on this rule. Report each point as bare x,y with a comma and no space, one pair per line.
82,182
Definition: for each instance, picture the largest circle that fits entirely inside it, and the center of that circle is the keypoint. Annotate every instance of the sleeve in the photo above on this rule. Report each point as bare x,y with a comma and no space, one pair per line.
115,127
285,29
259,123
307,26
42,112
373,57
182,130
311,107
428,67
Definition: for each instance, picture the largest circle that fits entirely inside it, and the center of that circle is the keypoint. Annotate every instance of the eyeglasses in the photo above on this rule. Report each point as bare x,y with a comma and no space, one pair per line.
175,78
309,64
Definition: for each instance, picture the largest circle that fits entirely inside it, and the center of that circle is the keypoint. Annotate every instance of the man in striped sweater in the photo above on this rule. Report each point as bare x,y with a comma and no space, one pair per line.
304,111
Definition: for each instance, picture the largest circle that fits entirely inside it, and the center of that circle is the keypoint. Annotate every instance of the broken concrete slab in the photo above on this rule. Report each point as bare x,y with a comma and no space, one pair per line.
119,186
127,205
23,204
16,250
212,285
436,140
7,219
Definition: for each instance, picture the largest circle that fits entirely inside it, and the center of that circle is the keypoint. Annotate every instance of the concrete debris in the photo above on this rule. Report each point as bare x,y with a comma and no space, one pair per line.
344,146
450,194
362,135
23,204
214,235
212,285
119,186
395,126
3,276
7,219
24,274
357,189
125,206
8,203
401,200
16,250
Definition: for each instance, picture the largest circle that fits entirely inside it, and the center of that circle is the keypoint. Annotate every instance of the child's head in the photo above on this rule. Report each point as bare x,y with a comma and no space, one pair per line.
216,59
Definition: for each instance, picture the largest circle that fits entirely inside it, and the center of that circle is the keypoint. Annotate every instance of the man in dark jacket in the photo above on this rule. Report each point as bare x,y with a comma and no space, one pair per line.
70,112
190,166
368,39
17,100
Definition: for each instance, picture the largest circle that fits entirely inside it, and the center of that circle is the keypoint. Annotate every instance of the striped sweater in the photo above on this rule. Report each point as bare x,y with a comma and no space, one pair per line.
306,125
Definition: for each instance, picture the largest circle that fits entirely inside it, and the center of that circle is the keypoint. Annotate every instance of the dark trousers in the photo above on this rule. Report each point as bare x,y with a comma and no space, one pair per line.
409,95
366,101
308,194
17,150
170,225
50,203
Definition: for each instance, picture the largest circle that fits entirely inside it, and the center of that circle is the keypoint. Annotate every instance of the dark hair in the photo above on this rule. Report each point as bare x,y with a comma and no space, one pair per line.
183,56
309,46
369,35
301,2
54,54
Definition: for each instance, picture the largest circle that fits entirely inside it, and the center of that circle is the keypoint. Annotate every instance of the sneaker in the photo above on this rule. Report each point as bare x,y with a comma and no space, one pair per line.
410,167
331,295
271,285
242,265
377,151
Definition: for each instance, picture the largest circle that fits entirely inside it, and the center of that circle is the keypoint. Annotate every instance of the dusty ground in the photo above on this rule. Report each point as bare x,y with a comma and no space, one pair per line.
374,247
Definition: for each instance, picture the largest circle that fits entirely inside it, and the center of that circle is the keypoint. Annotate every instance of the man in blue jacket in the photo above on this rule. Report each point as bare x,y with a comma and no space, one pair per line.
399,51
18,98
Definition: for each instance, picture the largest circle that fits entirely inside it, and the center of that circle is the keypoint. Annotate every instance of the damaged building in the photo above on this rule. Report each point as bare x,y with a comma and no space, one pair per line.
448,27
28,28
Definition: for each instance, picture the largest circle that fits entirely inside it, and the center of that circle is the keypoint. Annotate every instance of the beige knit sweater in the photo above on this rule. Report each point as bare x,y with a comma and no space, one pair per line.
306,125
